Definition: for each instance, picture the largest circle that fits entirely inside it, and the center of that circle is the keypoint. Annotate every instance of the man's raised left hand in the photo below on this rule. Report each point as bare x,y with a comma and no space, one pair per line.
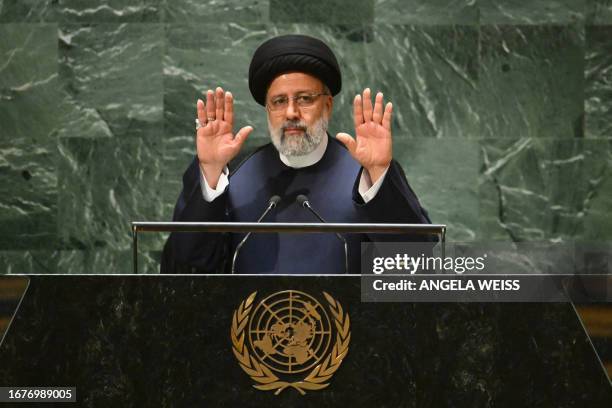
372,146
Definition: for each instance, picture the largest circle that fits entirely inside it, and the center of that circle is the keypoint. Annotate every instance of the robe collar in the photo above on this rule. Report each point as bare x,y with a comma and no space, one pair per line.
298,162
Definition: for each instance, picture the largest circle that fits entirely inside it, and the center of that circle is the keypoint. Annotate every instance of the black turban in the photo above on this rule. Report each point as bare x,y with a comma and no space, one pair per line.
292,53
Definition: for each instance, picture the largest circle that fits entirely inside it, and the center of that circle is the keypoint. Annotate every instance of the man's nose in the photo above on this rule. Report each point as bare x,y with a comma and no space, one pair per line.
292,111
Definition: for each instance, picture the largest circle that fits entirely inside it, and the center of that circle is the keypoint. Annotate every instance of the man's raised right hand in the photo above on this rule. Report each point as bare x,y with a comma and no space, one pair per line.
216,143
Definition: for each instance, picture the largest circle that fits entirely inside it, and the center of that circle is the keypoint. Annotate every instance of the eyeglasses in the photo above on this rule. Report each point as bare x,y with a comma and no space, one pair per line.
305,101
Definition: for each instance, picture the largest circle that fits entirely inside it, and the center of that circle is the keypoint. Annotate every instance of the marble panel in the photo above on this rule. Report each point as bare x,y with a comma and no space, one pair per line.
431,76
203,56
231,11
444,175
111,77
598,81
534,12
24,11
599,12
22,262
531,81
105,184
431,12
28,118
80,11
597,202
107,261
545,190
353,12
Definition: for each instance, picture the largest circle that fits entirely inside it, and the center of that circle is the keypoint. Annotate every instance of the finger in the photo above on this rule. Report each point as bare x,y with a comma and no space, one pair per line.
242,135
228,115
378,108
357,110
386,120
348,141
219,102
367,105
210,105
201,112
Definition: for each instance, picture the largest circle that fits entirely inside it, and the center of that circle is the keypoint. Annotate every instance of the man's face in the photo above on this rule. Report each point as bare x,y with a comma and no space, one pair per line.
297,126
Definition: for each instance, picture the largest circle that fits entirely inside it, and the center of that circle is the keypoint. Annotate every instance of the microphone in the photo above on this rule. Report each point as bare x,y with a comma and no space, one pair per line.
272,202
302,200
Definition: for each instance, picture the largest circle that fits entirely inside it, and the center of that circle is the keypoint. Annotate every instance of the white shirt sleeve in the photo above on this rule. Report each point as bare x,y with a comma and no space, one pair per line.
366,189
209,193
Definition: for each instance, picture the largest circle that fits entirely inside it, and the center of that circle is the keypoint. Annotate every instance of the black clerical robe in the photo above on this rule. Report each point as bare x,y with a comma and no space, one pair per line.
331,185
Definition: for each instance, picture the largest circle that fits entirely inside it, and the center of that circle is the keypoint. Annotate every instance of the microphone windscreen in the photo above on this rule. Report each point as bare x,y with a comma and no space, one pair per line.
275,199
301,199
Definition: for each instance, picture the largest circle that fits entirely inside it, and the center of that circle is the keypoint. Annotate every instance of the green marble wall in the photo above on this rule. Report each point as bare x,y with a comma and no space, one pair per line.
503,112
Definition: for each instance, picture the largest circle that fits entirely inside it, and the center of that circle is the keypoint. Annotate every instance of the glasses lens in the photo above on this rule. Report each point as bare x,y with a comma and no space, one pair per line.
306,100
278,104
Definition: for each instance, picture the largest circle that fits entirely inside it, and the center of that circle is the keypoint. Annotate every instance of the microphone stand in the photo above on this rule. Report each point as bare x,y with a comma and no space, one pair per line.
303,201
274,200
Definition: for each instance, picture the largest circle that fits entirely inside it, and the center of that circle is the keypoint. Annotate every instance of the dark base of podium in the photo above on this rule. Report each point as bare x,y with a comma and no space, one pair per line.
165,341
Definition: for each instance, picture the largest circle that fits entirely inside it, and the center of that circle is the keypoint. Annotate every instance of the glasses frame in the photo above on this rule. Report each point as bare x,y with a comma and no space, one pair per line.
295,100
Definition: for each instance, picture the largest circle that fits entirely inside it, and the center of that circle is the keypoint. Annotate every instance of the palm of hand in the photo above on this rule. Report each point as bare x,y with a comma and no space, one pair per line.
215,142
373,144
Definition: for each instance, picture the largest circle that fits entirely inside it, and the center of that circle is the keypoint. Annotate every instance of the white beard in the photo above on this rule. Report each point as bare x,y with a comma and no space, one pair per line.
298,145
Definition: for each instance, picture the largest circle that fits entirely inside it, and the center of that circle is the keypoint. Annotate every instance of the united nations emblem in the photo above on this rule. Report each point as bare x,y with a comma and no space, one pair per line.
289,341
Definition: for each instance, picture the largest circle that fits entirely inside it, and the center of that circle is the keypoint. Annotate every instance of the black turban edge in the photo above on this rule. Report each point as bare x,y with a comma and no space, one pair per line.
292,53
274,67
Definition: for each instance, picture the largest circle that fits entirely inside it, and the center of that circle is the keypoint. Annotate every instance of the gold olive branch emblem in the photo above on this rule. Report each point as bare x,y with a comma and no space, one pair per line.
317,379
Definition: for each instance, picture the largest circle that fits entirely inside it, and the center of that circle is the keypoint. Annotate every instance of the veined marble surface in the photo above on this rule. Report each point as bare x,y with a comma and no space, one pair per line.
502,113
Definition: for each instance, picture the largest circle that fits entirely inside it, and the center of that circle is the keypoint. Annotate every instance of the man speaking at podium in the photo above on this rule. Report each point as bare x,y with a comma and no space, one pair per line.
345,179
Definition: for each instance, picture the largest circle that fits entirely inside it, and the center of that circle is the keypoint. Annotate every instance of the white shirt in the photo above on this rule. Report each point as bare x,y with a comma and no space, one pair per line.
367,190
